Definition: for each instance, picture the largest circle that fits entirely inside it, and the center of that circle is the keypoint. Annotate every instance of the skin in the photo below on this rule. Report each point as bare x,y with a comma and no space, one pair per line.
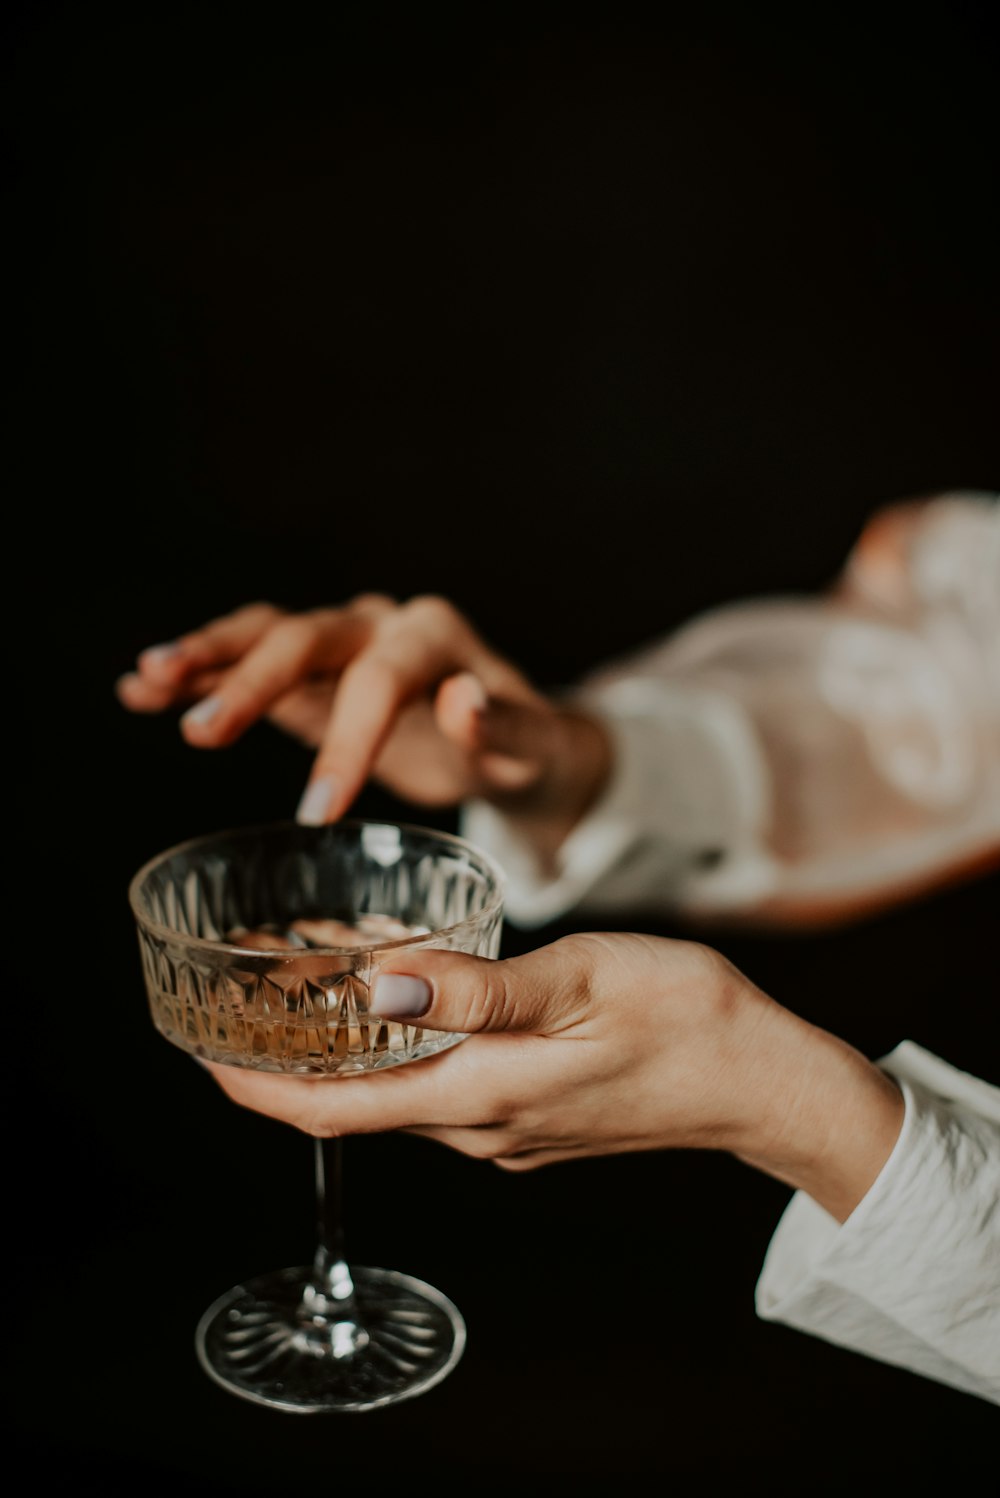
410,694
407,693
598,1044
606,1043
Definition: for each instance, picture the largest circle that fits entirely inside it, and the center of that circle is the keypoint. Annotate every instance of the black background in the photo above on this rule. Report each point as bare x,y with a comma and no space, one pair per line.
588,322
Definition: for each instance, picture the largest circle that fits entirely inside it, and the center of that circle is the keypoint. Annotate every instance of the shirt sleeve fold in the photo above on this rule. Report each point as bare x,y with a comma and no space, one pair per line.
797,750
912,1277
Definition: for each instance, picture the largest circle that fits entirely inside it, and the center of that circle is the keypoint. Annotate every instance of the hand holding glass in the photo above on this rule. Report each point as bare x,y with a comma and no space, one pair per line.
260,948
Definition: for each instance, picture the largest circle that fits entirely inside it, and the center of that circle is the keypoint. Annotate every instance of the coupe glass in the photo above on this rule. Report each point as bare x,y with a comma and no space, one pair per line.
259,949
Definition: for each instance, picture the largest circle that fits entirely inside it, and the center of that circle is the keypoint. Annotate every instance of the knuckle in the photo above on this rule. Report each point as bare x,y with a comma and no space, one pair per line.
720,984
433,609
375,671
316,1126
706,959
294,632
389,627
694,962
484,1147
516,1164
492,999
492,1142
581,957
262,609
323,619
372,603
218,632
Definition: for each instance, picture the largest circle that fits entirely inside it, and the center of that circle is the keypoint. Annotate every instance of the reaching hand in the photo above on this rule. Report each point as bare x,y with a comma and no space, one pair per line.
601,1044
408,692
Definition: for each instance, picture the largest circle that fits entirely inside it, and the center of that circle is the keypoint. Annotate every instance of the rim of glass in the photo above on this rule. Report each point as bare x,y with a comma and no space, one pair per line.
207,944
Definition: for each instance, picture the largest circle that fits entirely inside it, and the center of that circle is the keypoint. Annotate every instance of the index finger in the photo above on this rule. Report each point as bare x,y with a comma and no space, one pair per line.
215,644
436,1091
414,650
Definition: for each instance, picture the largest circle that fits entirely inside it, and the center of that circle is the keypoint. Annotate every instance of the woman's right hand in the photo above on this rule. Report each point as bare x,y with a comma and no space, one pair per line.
406,692
607,1043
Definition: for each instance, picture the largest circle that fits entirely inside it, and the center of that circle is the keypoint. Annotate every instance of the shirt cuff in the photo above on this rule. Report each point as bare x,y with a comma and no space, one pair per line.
680,818
911,1277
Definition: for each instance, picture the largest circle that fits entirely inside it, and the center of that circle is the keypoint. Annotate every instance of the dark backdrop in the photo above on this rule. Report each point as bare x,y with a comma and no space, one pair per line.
589,324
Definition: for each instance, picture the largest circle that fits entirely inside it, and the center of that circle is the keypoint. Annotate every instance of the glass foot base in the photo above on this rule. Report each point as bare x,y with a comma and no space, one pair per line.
399,1339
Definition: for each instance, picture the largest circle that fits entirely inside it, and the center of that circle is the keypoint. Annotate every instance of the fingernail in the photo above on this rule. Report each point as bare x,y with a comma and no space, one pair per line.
398,996
476,692
203,712
316,801
157,654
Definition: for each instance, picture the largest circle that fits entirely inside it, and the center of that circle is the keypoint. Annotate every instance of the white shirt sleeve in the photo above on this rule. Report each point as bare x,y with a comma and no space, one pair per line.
912,1277
802,748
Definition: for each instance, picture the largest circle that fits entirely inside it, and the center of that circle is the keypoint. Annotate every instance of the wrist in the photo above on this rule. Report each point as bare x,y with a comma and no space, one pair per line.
826,1119
576,770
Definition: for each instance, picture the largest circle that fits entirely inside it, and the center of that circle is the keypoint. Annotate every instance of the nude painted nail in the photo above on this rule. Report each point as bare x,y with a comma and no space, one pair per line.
400,996
315,803
202,713
478,699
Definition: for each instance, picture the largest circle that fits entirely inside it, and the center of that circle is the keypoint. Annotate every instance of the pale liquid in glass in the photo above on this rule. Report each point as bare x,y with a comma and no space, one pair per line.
268,1022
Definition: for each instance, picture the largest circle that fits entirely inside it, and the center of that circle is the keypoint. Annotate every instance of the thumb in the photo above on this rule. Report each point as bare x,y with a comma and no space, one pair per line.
513,739
541,993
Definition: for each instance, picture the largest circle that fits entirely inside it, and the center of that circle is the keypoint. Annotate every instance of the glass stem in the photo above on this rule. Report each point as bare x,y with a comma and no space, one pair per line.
329,1264
329,1304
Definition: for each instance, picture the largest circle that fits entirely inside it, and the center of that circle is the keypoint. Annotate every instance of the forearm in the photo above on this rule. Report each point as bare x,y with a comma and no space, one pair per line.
912,1277
789,762
827,1118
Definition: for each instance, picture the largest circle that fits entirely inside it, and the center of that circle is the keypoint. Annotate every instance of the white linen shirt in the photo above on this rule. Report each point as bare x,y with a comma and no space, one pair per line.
793,749
812,749
912,1277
